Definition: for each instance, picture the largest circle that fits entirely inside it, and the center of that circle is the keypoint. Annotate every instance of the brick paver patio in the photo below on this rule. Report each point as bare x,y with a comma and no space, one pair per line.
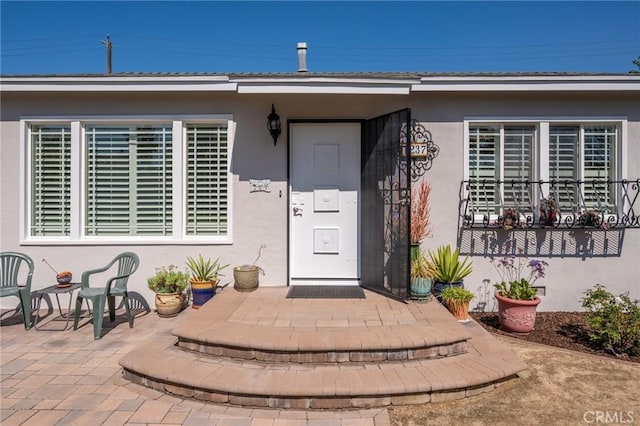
68,378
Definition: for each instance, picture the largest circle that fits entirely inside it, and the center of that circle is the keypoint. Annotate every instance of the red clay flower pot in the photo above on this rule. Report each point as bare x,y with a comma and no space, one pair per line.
517,316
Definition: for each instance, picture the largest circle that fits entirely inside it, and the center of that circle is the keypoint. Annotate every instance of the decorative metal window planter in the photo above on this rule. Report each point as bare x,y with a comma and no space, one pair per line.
520,204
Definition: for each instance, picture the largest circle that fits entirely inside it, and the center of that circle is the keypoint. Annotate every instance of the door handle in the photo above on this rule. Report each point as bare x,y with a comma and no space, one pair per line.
297,211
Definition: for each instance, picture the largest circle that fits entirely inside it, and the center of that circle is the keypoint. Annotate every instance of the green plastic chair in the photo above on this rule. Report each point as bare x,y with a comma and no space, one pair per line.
10,264
116,286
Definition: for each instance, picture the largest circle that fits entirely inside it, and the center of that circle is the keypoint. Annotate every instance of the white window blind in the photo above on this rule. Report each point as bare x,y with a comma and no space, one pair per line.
207,180
484,155
564,162
128,182
50,180
506,153
599,163
518,165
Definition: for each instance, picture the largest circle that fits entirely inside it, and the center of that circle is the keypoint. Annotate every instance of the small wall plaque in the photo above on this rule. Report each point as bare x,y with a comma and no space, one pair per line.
259,185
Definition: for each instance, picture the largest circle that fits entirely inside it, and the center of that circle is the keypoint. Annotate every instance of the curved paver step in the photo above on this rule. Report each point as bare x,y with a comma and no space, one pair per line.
278,385
331,351
266,328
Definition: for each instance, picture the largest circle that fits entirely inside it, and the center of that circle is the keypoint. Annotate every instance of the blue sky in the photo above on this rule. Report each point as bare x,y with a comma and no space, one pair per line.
213,36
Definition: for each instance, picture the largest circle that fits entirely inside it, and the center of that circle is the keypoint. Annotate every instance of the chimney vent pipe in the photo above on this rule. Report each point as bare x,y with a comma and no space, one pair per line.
302,57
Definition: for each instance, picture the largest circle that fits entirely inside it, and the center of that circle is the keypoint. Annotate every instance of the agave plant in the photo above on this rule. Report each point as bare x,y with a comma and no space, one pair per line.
205,269
448,266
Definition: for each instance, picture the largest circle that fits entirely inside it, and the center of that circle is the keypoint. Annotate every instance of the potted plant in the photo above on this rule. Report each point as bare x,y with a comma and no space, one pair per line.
448,268
548,211
205,275
169,285
457,299
591,218
422,273
516,296
246,277
420,216
64,278
510,219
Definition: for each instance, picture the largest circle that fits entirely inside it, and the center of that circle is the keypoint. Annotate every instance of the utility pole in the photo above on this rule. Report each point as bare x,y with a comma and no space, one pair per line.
109,46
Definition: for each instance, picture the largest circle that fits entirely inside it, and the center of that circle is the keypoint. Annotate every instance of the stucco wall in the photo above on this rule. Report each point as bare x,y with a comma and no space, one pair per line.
261,218
577,261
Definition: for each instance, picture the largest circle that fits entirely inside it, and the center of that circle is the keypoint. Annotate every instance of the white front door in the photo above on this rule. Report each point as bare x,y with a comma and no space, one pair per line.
324,210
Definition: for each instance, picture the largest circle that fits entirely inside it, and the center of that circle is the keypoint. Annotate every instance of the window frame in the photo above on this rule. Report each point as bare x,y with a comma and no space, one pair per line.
78,124
541,146
501,148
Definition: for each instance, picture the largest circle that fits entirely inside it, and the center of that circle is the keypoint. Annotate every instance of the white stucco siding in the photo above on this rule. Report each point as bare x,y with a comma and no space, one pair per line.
258,217
577,260
261,217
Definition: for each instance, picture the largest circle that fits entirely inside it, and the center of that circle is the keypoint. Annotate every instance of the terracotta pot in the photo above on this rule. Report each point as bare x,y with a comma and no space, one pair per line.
518,316
202,291
459,309
169,304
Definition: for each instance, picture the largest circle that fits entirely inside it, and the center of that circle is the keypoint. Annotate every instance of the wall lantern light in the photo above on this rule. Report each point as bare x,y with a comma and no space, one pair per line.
273,124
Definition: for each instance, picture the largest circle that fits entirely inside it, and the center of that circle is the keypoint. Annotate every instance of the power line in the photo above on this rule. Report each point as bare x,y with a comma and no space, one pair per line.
135,38
25,40
47,53
324,54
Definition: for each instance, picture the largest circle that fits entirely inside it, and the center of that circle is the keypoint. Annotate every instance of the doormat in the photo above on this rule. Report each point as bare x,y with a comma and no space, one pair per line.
325,292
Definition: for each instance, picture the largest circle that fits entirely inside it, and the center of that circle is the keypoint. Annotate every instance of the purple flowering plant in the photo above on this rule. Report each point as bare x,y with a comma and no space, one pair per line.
514,284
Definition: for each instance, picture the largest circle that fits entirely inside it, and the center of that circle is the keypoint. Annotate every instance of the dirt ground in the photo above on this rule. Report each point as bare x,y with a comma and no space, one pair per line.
567,330
562,387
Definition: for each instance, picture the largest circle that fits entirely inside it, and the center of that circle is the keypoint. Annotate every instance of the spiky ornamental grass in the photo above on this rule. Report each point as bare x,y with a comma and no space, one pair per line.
420,213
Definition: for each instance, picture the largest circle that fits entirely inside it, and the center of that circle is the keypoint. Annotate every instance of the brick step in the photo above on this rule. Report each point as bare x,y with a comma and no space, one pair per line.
324,348
252,383
429,332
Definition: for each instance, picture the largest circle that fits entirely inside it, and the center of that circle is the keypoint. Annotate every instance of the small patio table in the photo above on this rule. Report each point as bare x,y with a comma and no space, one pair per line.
56,289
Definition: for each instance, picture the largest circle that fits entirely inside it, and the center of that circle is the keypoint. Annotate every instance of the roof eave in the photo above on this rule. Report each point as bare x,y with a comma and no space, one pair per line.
365,83
562,83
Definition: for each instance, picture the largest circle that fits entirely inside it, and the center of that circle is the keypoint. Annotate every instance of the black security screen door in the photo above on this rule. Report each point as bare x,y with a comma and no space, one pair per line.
385,214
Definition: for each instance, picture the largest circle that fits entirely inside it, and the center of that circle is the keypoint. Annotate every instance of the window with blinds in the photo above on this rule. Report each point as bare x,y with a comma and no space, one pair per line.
486,143
518,166
128,177
596,164
564,160
50,180
128,180
484,155
600,144
207,167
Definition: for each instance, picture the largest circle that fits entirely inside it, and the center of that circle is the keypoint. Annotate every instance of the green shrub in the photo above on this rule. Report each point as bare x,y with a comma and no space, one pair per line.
456,293
614,321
